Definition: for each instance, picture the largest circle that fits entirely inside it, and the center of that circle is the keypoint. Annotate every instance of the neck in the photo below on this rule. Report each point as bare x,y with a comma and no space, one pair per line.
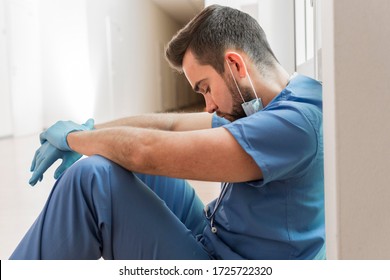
271,84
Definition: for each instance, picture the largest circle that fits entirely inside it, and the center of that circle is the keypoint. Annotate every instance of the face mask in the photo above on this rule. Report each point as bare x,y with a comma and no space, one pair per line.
252,106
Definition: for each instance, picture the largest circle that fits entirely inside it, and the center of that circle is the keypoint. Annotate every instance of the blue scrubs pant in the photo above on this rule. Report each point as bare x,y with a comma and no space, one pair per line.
98,209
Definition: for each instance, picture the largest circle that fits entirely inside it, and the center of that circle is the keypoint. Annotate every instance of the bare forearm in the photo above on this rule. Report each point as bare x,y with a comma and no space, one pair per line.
140,150
163,121
137,143
208,154
123,145
155,121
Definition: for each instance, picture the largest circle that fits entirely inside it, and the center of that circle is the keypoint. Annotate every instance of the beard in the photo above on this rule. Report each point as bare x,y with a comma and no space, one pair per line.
237,111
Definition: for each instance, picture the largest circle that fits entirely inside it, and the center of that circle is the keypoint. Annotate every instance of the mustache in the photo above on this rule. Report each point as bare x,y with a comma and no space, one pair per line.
236,113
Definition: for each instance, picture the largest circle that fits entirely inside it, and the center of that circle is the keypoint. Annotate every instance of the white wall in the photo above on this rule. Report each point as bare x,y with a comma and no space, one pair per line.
308,38
5,96
24,65
356,43
75,59
105,60
276,17
66,80
130,74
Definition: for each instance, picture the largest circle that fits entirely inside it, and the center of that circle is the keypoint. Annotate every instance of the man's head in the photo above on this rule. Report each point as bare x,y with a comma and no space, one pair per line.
219,36
215,30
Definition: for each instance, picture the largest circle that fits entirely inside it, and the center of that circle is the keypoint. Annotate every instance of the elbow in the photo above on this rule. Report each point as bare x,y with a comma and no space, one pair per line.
138,158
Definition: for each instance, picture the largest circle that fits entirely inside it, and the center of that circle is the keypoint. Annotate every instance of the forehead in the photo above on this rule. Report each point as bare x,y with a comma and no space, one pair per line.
196,72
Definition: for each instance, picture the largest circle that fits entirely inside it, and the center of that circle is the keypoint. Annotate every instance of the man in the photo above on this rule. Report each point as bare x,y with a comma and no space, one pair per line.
262,134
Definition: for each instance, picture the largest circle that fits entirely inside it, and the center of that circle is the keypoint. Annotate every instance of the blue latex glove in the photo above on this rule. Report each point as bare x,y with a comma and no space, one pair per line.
57,133
45,156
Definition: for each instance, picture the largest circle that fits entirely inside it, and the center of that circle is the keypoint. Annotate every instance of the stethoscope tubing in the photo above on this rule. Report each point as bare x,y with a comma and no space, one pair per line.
211,216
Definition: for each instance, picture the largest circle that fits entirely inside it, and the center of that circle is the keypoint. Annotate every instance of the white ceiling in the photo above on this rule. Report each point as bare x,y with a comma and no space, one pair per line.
181,10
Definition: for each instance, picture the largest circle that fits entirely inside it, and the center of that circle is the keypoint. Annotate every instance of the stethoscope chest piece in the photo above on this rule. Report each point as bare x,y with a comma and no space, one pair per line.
210,216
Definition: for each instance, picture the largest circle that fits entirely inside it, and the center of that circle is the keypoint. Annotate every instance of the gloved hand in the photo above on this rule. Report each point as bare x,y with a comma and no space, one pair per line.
45,156
57,133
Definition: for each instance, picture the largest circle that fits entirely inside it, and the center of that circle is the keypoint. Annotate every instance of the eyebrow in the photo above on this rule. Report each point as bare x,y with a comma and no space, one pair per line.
196,86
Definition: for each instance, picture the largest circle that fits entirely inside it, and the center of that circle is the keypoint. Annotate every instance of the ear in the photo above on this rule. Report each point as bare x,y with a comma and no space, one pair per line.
236,63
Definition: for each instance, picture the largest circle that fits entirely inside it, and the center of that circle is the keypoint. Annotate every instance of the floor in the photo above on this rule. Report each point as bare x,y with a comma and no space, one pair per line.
20,203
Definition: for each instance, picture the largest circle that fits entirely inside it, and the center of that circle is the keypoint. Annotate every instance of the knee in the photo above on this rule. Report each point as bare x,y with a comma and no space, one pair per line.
92,170
92,165
93,161
93,178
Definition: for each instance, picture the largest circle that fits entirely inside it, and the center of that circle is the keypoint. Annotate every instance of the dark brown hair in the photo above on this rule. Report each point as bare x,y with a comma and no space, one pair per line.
216,29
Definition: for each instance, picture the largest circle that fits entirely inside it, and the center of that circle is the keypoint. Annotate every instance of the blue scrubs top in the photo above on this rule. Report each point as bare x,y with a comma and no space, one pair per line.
282,215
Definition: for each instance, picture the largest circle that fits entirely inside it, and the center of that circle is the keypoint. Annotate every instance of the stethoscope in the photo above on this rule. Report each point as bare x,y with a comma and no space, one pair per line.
225,186
211,216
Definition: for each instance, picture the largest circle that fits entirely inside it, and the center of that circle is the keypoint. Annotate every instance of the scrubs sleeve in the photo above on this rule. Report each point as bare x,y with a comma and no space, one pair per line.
283,143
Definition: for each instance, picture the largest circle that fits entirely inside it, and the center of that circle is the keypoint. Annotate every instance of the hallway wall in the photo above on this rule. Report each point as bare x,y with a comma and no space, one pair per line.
356,43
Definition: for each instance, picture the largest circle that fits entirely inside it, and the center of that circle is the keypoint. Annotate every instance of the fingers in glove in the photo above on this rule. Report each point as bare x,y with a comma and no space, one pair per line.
89,124
34,160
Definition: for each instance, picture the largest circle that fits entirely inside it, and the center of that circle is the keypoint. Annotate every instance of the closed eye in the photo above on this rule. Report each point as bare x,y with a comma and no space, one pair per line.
203,92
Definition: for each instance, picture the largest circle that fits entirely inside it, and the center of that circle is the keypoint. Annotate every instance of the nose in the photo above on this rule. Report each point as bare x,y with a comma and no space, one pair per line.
211,107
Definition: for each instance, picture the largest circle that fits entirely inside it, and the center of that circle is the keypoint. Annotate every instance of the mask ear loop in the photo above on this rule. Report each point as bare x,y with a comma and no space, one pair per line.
250,81
253,88
234,79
